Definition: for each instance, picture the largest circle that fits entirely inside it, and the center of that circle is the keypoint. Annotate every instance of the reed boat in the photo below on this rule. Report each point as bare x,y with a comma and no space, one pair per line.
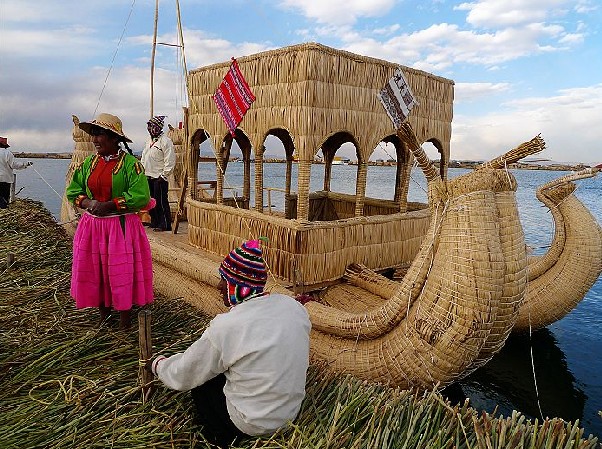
409,294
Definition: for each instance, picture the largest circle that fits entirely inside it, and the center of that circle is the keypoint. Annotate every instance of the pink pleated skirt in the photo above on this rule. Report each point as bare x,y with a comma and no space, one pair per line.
112,263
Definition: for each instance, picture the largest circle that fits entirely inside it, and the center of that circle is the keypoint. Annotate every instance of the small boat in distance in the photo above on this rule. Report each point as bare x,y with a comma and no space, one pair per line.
339,160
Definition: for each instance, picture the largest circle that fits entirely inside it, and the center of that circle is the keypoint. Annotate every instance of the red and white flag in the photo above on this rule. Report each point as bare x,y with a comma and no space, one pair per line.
233,97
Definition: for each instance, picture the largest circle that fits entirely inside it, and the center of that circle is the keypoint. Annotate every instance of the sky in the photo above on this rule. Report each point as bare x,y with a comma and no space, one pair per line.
520,67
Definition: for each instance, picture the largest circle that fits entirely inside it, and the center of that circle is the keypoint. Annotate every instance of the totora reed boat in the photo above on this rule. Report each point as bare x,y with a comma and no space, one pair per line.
410,294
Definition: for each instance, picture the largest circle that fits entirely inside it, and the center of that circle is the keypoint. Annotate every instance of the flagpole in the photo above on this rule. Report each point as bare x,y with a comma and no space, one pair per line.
181,36
152,74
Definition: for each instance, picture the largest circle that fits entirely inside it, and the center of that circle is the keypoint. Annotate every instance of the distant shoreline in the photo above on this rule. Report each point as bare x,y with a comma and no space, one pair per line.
452,163
25,155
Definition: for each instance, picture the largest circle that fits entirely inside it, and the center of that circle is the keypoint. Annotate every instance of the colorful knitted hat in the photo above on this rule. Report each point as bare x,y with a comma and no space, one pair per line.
155,125
245,272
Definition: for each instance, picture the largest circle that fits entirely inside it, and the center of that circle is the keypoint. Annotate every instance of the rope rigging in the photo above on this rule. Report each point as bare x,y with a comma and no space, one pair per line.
114,56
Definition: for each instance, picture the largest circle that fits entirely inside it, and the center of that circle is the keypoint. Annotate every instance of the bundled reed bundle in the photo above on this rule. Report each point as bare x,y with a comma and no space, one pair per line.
67,384
561,278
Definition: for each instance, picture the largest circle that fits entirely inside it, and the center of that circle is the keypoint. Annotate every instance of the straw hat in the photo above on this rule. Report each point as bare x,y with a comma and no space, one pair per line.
106,121
4,142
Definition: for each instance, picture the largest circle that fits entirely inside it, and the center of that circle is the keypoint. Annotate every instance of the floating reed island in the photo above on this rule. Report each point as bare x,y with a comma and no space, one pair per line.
66,383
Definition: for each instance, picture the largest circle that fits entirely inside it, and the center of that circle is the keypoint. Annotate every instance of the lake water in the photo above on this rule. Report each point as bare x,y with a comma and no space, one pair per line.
566,365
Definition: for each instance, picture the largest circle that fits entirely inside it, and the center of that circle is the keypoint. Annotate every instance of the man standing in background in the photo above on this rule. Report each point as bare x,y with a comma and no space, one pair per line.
7,167
159,160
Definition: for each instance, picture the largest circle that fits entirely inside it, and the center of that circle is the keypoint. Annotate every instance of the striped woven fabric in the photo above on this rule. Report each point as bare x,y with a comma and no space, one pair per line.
233,97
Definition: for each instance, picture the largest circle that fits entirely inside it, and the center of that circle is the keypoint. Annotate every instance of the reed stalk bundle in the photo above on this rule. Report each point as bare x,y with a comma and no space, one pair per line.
533,146
65,383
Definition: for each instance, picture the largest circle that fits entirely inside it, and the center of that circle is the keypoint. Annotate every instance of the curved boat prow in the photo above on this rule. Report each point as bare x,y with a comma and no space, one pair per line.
561,278
456,304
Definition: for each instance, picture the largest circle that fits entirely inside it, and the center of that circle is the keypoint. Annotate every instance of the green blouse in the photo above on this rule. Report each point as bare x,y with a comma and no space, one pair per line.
130,187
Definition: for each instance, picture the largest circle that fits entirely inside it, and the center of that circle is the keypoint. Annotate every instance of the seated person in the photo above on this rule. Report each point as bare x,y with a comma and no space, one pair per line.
247,371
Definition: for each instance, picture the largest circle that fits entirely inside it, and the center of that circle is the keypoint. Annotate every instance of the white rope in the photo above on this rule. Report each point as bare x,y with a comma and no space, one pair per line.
63,199
415,164
114,56
52,188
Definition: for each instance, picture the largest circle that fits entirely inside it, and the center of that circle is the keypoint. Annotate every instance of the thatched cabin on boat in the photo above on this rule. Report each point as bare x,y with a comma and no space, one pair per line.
313,98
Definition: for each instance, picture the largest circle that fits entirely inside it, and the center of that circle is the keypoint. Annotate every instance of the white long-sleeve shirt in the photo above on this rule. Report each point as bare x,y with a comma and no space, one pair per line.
8,165
158,157
262,347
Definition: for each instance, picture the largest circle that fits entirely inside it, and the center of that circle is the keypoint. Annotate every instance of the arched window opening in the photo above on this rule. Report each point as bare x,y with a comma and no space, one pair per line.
279,172
203,166
233,170
335,164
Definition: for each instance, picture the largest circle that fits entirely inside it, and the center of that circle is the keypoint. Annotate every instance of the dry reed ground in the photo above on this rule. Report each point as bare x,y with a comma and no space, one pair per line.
65,383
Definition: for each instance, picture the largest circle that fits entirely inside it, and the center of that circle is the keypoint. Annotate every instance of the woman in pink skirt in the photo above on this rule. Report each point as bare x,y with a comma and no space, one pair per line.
112,265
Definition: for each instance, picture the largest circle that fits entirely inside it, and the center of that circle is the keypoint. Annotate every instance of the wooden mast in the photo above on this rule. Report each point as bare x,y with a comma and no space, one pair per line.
154,50
181,36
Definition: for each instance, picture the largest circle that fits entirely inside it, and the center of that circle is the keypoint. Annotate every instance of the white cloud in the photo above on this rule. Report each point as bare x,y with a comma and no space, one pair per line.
339,12
586,6
440,46
387,30
571,39
66,43
509,13
466,92
568,122
202,50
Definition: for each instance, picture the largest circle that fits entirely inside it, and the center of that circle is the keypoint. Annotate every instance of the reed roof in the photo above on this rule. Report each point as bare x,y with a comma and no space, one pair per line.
314,91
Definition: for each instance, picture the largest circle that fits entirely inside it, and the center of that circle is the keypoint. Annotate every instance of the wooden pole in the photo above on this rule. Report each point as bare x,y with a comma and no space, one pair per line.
152,74
181,38
146,351
10,260
11,197
180,204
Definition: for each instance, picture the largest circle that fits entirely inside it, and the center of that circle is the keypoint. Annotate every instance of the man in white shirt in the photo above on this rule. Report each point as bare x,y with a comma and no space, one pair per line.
247,372
7,167
158,160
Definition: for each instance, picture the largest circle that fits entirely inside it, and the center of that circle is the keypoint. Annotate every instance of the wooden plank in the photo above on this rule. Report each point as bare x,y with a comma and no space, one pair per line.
180,205
146,351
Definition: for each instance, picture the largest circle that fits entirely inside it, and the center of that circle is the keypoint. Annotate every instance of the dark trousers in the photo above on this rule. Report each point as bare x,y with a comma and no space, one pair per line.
4,194
212,413
160,214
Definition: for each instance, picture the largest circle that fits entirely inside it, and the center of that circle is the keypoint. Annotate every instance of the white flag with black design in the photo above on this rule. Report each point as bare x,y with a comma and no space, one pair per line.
397,98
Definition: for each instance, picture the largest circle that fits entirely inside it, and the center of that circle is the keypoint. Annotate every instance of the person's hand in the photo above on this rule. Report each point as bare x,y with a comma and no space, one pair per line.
90,203
100,208
148,366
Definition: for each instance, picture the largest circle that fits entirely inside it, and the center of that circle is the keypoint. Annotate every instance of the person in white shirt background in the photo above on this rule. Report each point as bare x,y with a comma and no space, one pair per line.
247,372
7,167
158,160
